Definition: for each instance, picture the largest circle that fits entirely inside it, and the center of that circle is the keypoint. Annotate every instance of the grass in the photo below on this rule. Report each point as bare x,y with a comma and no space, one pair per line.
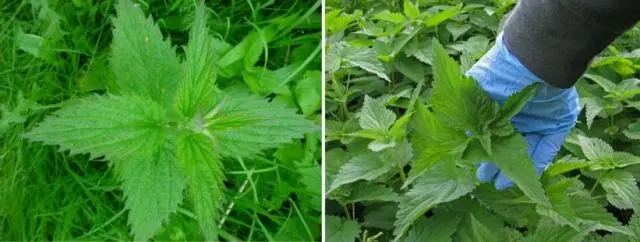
54,51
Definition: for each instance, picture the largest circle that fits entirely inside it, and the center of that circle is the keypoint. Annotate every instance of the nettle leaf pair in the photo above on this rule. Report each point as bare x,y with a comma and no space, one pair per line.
463,127
167,127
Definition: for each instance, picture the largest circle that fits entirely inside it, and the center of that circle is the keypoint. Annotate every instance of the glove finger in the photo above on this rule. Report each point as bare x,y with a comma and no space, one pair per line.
502,182
487,171
543,149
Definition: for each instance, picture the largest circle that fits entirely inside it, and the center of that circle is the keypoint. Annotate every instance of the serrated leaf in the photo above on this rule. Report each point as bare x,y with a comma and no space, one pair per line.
548,231
364,58
372,192
115,126
607,85
614,160
510,155
514,104
381,217
633,131
458,100
203,171
634,225
437,228
387,15
243,124
594,106
472,230
370,165
566,164
152,188
196,90
432,21
433,141
443,183
144,64
411,10
457,29
622,189
594,148
341,230
374,115
572,206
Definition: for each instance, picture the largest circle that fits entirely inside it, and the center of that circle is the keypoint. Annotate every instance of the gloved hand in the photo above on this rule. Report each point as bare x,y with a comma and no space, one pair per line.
544,121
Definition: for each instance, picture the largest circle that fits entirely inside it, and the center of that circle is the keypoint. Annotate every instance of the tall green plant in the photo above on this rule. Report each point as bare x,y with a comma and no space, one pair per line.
166,126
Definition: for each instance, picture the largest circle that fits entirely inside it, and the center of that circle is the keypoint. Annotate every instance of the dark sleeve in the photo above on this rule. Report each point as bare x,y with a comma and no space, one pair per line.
557,39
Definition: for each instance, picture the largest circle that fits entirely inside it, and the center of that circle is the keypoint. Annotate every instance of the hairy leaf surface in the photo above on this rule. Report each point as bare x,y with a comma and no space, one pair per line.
444,183
152,188
243,124
143,63
115,126
203,171
341,230
196,89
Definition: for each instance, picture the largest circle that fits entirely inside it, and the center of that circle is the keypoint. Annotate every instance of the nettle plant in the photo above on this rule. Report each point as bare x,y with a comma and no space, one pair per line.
426,181
167,126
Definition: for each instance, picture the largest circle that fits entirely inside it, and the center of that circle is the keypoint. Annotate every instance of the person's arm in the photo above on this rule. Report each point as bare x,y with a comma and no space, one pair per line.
556,39
550,42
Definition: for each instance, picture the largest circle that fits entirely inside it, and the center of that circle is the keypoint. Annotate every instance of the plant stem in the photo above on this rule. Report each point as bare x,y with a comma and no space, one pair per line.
402,175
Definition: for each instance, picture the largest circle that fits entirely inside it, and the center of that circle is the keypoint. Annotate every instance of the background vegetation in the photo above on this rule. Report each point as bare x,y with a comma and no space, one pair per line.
56,51
380,64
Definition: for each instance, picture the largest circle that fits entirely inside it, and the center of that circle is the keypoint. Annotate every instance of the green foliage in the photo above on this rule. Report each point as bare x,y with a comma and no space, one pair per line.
172,127
414,77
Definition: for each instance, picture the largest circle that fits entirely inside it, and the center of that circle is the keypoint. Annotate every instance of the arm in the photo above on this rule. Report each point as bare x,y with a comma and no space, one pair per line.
548,41
556,39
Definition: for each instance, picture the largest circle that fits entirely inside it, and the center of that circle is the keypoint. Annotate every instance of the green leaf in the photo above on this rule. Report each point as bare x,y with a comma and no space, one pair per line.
634,225
411,10
457,29
243,124
371,192
144,64
432,21
622,190
433,141
337,21
364,58
374,115
571,205
196,90
437,228
443,183
381,217
633,131
510,155
386,15
474,231
152,188
566,164
548,231
341,230
308,92
370,165
458,100
614,160
36,46
115,126
514,104
594,106
594,148
203,171
607,85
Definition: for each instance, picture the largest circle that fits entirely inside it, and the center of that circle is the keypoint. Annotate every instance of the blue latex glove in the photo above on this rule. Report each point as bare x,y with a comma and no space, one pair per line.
544,121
